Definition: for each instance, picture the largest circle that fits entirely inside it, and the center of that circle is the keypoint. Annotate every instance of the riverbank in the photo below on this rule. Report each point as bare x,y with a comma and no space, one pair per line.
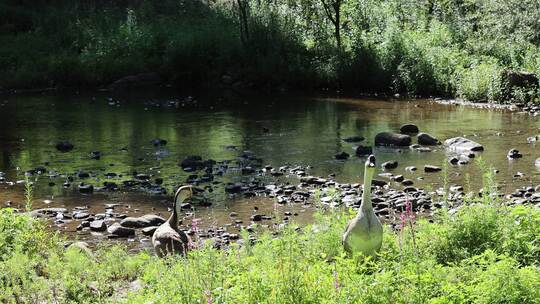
483,253
446,49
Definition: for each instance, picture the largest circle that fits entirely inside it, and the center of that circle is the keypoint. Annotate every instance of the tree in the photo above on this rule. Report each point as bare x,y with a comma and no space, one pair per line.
332,8
243,15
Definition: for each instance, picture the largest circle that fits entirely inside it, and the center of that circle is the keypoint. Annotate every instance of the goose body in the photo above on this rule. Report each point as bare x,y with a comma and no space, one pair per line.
168,239
364,233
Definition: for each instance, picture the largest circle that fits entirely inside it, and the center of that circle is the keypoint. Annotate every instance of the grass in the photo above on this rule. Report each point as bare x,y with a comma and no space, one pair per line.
483,253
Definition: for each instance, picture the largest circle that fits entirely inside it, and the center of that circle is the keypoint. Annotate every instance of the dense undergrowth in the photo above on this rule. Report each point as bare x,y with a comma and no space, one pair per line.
482,253
427,47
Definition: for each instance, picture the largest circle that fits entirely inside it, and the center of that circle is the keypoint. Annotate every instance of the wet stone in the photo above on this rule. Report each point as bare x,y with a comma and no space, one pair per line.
98,225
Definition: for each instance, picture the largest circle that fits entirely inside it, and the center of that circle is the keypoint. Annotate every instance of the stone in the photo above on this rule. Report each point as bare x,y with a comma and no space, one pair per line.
430,168
409,129
98,225
64,146
95,155
84,188
389,165
158,142
149,231
461,144
135,222
354,138
363,150
154,220
256,218
342,155
192,161
427,140
120,231
392,139
513,154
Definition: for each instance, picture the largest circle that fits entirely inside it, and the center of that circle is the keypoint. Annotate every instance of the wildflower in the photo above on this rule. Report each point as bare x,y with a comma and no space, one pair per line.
208,296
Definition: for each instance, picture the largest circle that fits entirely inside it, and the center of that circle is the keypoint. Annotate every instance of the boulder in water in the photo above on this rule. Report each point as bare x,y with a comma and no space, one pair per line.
427,140
409,129
392,139
461,144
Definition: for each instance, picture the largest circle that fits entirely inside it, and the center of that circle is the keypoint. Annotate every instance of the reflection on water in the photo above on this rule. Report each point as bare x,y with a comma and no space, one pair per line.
280,130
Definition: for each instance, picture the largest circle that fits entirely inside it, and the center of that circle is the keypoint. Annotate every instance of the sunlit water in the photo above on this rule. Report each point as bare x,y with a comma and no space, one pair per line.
280,130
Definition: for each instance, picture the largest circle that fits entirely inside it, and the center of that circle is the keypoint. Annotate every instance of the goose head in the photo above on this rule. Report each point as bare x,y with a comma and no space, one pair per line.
370,166
182,194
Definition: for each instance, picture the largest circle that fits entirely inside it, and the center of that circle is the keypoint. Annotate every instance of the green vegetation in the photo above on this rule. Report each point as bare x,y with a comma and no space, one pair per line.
483,253
427,47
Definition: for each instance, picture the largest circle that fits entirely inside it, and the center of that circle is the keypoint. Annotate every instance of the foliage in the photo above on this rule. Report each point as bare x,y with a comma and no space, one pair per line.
483,253
427,47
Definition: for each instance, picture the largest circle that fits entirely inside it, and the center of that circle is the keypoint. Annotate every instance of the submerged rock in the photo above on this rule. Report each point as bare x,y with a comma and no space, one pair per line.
389,165
355,138
342,155
513,154
158,142
430,168
364,150
64,146
427,140
409,129
392,139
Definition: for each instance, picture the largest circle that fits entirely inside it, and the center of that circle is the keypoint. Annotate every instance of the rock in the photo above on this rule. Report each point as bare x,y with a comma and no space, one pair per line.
192,161
389,165
158,142
407,182
411,168
138,80
98,226
80,215
120,231
364,150
83,188
392,139
48,212
64,146
427,140
256,217
537,162
513,154
453,160
355,138
378,183
342,155
430,168
95,155
149,231
135,222
461,144
233,188
154,220
409,129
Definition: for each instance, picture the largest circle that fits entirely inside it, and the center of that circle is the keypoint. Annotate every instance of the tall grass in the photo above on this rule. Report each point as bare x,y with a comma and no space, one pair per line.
483,253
